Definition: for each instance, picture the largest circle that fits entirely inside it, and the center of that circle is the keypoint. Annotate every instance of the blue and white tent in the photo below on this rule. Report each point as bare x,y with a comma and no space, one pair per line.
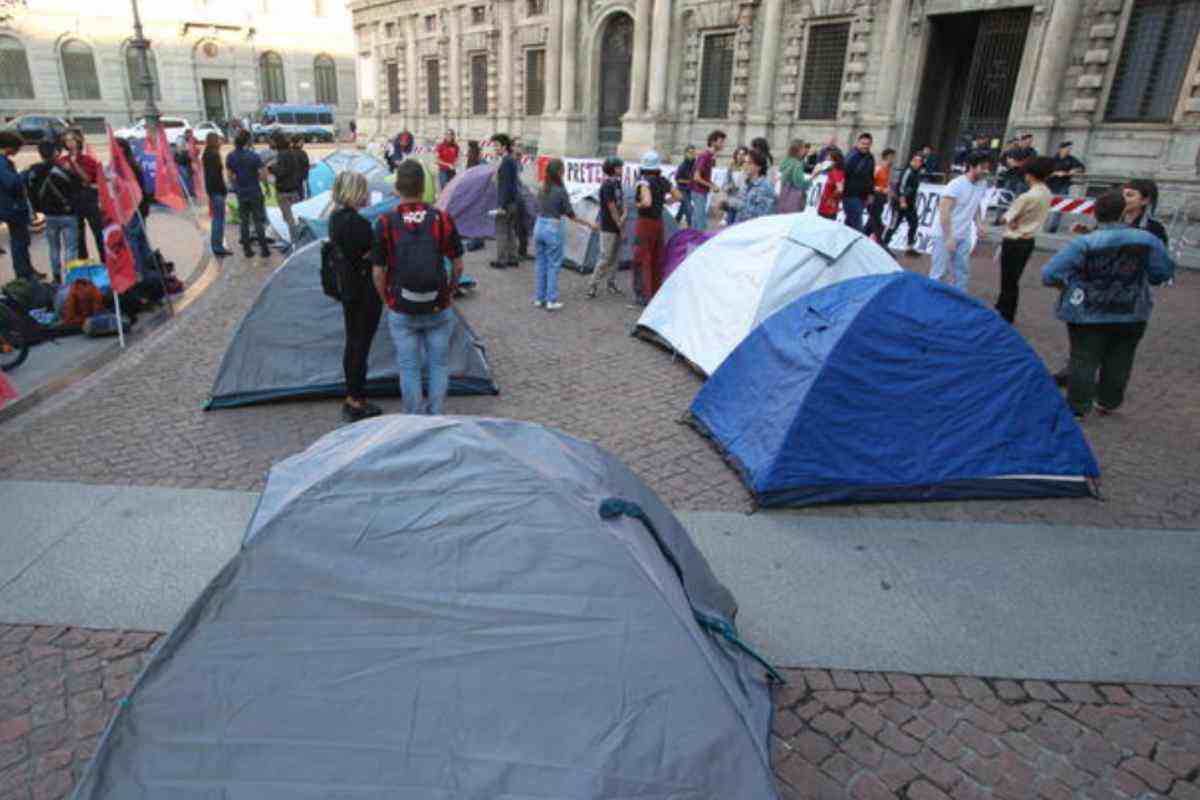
892,387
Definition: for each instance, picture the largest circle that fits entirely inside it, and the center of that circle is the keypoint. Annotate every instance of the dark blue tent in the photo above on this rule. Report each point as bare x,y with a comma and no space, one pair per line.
892,387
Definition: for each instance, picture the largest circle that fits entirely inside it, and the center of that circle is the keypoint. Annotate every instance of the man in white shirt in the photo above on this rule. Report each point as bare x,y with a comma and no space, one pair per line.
962,205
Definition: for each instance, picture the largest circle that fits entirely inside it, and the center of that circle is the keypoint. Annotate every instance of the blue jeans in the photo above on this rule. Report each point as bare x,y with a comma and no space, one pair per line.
685,207
216,205
852,208
62,234
961,262
444,177
700,210
548,239
422,343
18,240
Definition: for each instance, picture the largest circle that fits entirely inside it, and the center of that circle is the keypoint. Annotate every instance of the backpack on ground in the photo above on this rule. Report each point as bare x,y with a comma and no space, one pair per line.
83,302
30,294
333,270
417,277
104,324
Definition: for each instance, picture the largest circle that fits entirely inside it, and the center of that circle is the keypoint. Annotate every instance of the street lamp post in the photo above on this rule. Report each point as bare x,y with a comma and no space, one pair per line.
147,80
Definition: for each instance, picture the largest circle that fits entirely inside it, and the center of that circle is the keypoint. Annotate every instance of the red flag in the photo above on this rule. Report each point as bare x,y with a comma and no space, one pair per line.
168,189
118,258
126,191
198,186
7,391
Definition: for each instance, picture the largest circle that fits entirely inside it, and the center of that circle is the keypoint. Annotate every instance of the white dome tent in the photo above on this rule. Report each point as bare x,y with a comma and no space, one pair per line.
727,286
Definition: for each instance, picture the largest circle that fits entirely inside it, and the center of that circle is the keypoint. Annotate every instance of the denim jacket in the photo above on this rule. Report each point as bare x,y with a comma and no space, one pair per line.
1107,275
758,200
14,204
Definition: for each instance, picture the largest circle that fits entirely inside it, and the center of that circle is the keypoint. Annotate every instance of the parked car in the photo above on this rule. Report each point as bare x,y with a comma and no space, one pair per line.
175,128
35,128
205,128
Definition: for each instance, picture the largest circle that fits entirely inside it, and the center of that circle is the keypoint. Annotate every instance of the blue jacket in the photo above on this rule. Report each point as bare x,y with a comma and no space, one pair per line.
14,204
1107,275
506,182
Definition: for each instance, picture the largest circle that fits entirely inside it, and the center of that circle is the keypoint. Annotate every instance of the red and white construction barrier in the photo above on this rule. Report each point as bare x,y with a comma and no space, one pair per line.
1073,205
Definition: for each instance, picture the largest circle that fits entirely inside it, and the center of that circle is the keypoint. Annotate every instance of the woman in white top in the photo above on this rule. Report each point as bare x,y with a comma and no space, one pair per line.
735,182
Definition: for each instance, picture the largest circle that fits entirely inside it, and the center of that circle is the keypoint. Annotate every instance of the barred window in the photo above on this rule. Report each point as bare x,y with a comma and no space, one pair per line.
478,15
133,68
535,82
389,30
716,75
824,66
393,87
271,72
433,82
16,83
430,22
536,8
325,80
1155,55
79,66
479,84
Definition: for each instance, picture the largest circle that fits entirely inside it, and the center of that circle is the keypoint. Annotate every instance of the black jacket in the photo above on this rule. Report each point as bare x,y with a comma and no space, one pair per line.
289,171
214,173
53,191
860,174
910,184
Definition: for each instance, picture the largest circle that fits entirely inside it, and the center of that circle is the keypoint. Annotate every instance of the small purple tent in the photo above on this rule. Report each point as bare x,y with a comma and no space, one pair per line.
680,246
471,195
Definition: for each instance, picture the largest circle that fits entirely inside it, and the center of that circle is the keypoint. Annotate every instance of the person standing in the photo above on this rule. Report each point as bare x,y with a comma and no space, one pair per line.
758,198
904,206
612,223
794,181
735,181
961,206
1016,158
1141,198
412,243
1023,219
362,307
288,169
553,205
87,204
14,207
835,187
931,164
446,155
879,200
1105,278
702,184
305,163
214,185
651,192
52,190
524,218
508,198
683,182
860,181
247,174
1066,168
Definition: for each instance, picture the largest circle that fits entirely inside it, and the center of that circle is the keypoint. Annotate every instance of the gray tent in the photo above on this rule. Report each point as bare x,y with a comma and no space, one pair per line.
434,607
581,249
290,342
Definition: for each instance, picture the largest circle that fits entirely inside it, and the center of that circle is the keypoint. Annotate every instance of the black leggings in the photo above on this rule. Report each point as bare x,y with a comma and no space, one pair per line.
1014,255
362,309
89,215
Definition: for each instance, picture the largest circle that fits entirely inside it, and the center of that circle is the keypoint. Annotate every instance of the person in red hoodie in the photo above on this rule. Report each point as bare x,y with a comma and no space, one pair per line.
447,159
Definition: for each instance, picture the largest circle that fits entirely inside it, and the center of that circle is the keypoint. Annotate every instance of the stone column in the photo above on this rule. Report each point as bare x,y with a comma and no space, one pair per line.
454,63
641,59
411,65
764,96
570,54
659,53
553,54
505,9
1051,70
890,63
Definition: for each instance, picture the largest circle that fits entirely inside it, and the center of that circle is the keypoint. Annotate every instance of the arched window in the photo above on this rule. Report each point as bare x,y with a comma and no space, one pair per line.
79,67
134,70
271,67
15,80
325,80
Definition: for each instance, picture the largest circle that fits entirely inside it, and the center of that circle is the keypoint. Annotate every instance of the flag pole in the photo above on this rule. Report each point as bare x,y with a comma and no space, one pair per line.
162,278
120,325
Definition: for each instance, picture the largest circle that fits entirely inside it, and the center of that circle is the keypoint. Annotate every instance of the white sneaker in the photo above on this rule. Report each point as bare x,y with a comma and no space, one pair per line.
538,303
553,306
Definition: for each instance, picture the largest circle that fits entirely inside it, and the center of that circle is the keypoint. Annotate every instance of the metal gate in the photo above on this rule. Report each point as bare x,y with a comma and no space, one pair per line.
616,59
993,75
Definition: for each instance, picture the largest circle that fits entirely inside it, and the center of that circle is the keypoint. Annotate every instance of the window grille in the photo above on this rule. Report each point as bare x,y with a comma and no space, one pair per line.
535,82
824,66
479,84
325,80
433,83
271,77
393,87
1154,57
79,66
16,83
716,75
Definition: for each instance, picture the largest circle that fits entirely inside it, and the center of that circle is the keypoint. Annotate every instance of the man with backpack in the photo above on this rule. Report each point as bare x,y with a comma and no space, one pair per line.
53,191
14,207
411,246
289,170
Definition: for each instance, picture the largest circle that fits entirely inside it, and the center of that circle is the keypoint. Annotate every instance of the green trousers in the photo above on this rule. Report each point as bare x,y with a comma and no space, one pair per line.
1107,350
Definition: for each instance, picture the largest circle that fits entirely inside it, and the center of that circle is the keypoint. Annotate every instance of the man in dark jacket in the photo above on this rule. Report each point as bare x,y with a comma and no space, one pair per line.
1066,167
860,182
508,199
53,192
904,206
14,207
289,171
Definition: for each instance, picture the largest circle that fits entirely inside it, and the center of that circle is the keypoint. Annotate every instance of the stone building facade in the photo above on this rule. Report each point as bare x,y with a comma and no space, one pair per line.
1120,78
213,59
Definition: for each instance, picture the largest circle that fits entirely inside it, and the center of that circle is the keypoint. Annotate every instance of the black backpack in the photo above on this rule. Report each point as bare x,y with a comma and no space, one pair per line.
333,270
417,277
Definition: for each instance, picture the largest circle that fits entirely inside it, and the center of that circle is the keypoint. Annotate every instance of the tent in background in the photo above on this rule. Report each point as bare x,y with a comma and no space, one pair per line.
581,247
289,345
892,387
437,607
738,278
471,197
322,174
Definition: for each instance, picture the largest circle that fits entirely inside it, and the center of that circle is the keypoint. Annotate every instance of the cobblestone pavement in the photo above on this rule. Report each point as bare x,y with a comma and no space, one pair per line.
138,421
857,735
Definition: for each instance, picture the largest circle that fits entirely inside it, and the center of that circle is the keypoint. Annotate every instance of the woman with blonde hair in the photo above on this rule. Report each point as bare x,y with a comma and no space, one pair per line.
351,238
